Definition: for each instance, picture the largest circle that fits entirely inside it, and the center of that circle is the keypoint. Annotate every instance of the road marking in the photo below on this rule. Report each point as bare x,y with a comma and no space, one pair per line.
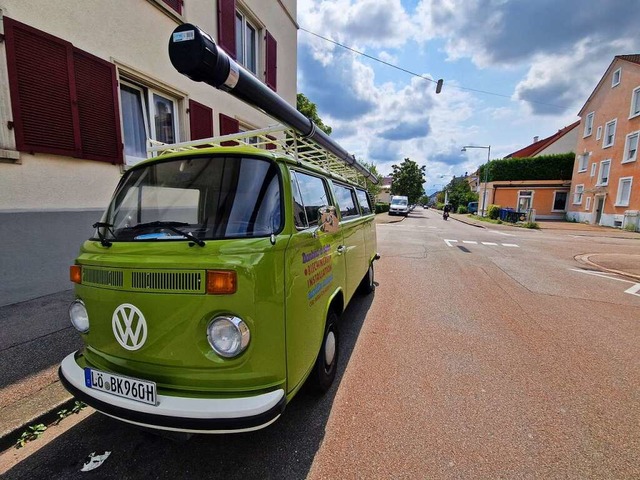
503,233
474,242
602,275
634,290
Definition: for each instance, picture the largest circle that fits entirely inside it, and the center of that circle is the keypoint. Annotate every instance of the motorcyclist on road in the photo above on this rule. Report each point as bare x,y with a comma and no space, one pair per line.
446,210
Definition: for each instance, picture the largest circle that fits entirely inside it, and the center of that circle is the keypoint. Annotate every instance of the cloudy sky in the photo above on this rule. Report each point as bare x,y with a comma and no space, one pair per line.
512,69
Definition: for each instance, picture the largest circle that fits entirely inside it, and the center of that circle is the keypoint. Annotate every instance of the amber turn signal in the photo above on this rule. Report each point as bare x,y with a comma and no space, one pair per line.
75,273
221,282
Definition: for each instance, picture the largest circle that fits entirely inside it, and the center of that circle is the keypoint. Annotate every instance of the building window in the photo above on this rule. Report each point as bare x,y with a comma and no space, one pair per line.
175,5
559,201
624,191
594,167
603,176
146,114
583,161
631,148
577,194
635,103
599,133
588,124
615,79
587,206
246,43
525,200
609,134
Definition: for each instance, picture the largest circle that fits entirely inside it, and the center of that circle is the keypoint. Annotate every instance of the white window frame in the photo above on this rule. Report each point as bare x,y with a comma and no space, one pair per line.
555,193
588,124
635,98
600,181
634,157
148,111
594,169
577,194
587,204
616,81
620,202
242,55
529,195
583,162
614,123
599,133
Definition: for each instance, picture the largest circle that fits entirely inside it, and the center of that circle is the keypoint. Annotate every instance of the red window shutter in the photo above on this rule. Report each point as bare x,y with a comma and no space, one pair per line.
227,26
96,89
42,90
271,146
228,125
201,119
271,62
175,4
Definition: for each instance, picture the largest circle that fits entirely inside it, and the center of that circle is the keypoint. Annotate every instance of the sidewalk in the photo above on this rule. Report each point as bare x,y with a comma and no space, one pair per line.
37,335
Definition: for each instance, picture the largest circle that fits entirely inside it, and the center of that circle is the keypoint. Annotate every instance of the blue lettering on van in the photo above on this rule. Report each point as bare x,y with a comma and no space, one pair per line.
307,257
314,291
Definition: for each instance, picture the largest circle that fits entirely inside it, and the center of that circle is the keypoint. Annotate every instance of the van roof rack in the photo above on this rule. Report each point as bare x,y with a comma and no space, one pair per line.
278,137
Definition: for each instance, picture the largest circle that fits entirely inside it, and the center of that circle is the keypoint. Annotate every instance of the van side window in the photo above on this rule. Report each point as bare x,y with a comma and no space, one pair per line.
314,195
299,215
346,201
364,201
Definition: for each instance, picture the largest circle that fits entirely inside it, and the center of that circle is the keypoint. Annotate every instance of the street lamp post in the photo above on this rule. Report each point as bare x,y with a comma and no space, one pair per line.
486,172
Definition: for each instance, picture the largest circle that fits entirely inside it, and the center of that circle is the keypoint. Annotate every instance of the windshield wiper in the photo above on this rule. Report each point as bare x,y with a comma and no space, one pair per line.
103,241
173,227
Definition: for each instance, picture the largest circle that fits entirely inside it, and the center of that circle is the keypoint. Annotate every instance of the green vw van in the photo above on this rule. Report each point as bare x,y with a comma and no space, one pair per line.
215,283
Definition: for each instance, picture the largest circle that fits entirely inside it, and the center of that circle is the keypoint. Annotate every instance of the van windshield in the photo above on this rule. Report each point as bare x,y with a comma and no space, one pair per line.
206,197
398,201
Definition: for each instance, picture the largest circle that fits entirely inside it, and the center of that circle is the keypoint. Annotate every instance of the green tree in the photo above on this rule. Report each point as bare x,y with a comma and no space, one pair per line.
309,110
408,178
373,189
459,192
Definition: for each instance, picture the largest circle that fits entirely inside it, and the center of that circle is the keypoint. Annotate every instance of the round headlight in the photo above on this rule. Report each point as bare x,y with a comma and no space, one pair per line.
79,316
228,336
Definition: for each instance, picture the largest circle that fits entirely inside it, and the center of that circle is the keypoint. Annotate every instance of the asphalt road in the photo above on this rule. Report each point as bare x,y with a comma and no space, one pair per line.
502,358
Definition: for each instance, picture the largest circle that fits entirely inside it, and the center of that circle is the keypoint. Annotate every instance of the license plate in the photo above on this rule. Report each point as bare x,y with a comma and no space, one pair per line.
125,387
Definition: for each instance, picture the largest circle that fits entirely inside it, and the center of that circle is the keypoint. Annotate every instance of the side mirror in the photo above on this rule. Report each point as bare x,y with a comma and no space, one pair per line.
327,219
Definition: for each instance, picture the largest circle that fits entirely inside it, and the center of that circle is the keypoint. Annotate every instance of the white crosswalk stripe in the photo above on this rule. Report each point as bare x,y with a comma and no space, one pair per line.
450,243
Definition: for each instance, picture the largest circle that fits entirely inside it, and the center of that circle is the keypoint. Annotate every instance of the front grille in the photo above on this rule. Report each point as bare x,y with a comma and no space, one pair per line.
167,281
156,281
104,277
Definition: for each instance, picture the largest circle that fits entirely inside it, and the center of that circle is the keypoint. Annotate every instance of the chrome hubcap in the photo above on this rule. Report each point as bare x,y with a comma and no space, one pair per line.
329,348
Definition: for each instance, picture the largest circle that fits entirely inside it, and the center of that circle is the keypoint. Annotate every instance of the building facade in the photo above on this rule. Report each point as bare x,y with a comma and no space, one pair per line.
606,176
84,85
549,198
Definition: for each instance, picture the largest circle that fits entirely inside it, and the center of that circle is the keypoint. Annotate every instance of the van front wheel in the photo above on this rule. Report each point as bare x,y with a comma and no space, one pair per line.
324,371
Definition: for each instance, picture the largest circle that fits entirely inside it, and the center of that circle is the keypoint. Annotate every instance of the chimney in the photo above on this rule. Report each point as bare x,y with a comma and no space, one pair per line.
536,138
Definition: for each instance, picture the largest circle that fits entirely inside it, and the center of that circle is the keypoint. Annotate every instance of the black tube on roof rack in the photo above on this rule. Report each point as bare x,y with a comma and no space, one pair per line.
194,54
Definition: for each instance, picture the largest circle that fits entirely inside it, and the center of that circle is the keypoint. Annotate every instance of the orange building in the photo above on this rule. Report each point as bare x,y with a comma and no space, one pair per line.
606,175
549,198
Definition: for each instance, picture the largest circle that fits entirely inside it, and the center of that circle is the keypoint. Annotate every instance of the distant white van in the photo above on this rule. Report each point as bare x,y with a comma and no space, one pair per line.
399,205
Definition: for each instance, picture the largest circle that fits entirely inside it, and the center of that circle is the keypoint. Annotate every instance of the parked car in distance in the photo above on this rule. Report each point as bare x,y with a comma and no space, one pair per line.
399,205
472,207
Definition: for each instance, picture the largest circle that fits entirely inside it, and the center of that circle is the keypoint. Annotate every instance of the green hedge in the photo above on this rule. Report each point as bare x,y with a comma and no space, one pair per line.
382,207
462,209
545,167
493,212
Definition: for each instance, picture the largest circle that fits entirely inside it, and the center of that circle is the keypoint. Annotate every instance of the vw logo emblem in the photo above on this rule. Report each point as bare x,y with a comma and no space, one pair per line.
129,326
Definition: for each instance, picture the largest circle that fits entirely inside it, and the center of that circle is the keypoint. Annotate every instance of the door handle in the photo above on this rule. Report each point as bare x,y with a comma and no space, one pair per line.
341,249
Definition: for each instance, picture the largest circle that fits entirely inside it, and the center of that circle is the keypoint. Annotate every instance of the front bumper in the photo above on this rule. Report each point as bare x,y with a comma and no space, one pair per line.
182,414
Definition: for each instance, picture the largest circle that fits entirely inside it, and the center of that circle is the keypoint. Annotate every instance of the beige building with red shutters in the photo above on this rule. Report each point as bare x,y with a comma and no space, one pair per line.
605,187
84,85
